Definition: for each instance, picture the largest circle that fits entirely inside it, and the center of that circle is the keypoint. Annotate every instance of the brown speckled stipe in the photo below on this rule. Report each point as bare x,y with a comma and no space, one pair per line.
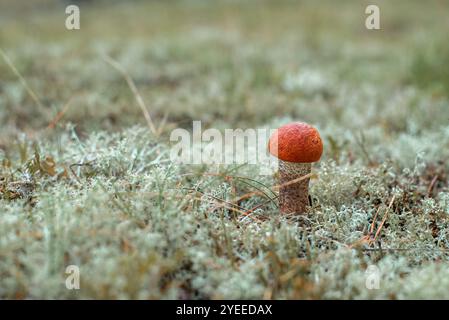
293,198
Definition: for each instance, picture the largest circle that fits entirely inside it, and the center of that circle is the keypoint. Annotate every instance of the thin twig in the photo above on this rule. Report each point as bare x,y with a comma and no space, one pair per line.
79,165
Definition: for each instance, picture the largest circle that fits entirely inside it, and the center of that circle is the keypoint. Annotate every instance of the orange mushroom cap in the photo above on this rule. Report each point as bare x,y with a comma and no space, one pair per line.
296,142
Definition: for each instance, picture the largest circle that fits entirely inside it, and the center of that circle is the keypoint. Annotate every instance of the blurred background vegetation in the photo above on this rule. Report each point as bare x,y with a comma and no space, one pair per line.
188,49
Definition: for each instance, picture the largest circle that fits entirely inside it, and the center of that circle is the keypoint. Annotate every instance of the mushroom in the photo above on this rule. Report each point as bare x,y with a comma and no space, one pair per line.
296,145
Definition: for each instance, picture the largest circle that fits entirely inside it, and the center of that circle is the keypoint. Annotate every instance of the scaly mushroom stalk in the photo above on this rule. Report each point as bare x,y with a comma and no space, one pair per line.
293,197
296,145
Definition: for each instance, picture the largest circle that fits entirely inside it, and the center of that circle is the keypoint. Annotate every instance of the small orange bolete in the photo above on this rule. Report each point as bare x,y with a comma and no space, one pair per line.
296,145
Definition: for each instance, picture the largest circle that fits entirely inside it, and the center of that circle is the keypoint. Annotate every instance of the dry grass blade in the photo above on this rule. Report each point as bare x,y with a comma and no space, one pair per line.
369,238
371,230
384,219
432,184
276,187
160,129
247,213
307,176
116,65
30,91
60,114
213,197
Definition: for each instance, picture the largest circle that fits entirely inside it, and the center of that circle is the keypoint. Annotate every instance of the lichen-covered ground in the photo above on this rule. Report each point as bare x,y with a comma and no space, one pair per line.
85,182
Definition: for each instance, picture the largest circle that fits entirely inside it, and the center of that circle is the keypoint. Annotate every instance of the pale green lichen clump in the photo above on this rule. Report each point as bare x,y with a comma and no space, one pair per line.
99,190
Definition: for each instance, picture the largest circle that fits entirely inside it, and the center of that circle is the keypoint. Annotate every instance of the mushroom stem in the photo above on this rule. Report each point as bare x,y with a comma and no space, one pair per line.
293,198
